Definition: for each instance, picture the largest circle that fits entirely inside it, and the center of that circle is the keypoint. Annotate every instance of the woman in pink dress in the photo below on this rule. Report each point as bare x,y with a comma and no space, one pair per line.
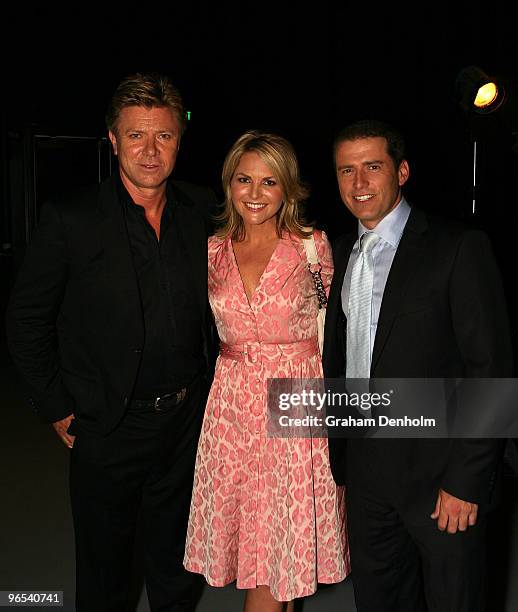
265,511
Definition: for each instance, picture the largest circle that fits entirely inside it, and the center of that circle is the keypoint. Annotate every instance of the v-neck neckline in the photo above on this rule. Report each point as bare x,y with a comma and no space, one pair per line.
263,273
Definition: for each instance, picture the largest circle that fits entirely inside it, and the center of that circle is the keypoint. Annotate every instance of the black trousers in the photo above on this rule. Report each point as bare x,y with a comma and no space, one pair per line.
400,561
142,471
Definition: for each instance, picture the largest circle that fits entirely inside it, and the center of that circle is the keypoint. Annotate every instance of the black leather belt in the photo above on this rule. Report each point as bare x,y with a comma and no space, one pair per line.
162,403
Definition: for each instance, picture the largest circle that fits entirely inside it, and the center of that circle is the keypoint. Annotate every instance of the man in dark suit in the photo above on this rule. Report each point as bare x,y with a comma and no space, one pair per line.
108,324
416,508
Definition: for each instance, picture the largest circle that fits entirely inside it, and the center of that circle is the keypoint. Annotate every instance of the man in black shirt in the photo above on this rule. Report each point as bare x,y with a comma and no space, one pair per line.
108,323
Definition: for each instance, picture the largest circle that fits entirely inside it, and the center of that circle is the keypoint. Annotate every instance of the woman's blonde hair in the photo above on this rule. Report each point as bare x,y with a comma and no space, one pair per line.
278,154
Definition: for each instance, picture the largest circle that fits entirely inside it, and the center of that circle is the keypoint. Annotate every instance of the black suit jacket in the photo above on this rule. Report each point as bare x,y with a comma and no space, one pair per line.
443,314
74,321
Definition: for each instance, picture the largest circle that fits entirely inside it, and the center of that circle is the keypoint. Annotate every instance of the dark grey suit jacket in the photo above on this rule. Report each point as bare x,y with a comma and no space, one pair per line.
443,315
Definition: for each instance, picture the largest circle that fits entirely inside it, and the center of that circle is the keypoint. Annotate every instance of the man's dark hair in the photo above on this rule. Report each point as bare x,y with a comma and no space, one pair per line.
145,89
372,128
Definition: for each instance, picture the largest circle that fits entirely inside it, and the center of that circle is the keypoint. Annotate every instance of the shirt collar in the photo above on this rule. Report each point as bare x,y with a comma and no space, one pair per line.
127,200
124,196
391,227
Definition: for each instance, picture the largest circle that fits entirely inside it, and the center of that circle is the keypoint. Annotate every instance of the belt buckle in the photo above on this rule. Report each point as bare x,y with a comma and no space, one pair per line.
251,353
178,397
157,404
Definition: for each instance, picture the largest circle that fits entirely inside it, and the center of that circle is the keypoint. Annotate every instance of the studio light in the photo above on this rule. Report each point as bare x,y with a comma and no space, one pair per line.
480,96
486,95
477,92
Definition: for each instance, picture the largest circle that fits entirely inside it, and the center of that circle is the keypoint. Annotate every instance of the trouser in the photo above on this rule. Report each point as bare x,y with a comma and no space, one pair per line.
400,561
142,471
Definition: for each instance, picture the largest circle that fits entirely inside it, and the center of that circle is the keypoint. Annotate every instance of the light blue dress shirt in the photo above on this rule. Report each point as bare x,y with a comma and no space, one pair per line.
390,229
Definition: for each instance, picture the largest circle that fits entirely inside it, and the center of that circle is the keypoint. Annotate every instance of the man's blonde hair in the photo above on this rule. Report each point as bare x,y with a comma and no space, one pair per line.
149,90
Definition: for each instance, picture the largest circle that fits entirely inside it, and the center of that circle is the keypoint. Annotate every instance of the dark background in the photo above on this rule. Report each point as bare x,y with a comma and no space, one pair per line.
303,72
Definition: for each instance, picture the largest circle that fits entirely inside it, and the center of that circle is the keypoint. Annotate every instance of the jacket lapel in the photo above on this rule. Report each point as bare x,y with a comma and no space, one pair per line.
192,233
406,261
333,357
341,260
119,260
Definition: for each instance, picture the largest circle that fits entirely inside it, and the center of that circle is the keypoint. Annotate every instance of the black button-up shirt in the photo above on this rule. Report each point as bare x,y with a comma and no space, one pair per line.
173,349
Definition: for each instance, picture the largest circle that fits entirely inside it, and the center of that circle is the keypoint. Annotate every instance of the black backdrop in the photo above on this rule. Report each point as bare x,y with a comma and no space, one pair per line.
303,72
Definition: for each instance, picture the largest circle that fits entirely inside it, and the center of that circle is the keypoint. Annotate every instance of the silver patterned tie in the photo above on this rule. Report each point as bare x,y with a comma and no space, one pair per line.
359,310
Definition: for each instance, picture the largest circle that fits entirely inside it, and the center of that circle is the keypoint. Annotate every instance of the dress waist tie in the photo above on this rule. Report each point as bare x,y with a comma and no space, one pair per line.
253,352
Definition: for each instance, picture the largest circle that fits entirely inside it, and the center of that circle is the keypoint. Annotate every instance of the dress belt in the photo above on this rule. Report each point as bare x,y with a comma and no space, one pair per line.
253,352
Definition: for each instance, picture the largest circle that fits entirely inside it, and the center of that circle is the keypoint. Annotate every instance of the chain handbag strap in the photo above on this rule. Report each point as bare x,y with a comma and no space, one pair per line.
314,268
319,286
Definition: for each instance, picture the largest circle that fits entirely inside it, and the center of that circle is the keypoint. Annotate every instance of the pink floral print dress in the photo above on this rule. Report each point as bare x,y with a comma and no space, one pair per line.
264,510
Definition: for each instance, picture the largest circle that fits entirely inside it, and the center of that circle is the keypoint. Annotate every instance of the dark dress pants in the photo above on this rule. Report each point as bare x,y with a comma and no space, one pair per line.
142,471
400,561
